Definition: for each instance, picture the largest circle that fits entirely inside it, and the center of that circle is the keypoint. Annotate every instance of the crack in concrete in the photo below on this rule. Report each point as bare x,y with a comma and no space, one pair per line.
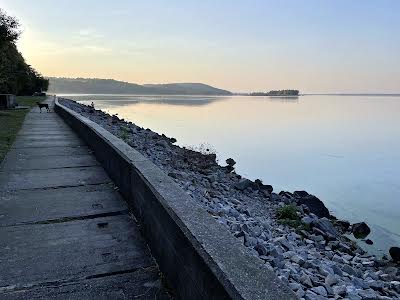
58,187
70,218
70,281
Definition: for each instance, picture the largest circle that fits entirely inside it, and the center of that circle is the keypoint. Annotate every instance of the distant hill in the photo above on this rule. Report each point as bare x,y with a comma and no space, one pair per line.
111,86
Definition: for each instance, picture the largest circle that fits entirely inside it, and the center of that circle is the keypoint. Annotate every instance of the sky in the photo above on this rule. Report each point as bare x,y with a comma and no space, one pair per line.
254,45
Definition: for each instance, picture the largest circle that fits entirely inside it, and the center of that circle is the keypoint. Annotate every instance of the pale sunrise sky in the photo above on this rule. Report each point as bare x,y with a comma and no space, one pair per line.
310,45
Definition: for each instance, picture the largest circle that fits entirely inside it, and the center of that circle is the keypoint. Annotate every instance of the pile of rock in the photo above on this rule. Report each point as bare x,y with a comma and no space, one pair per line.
314,258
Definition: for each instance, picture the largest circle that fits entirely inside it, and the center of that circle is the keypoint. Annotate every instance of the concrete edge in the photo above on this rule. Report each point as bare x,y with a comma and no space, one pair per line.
198,256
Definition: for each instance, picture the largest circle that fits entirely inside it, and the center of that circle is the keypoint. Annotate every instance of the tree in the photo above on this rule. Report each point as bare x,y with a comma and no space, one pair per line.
16,76
9,28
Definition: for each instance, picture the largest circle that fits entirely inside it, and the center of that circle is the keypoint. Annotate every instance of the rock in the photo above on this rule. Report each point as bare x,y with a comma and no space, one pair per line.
368,294
263,187
301,194
294,286
315,205
376,285
395,285
320,290
162,143
395,253
230,162
326,226
244,184
330,280
360,230
359,283
369,242
261,249
307,220
339,290
312,296
298,259
305,280
349,270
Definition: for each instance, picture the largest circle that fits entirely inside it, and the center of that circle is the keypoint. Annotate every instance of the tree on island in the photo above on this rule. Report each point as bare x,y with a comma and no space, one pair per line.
16,76
277,93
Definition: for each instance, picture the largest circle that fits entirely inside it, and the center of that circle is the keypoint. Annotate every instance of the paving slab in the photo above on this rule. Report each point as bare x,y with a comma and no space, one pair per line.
52,178
43,162
47,143
47,151
32,206
139,284
71,250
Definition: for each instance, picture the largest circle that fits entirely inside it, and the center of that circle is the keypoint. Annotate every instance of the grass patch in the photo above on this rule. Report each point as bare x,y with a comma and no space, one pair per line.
11,121
287,215
124,133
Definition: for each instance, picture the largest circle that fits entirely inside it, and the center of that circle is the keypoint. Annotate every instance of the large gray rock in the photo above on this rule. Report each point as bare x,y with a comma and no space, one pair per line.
243,184
315,205
326,226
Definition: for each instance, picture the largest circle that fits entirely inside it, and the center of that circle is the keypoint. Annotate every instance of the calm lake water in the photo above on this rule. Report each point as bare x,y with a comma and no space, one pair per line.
343,149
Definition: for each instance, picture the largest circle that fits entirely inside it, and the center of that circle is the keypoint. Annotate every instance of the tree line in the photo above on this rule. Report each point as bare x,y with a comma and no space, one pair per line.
16,76
277,93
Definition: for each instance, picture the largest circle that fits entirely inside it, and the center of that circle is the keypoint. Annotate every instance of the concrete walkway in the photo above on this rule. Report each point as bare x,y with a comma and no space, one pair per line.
65,232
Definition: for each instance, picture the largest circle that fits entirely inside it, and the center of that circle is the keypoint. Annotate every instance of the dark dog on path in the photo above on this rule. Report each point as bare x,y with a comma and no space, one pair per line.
44,105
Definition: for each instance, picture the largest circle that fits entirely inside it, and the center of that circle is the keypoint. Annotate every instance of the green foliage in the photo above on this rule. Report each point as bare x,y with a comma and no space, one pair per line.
287,212
124,133
287,215
16,76
8,28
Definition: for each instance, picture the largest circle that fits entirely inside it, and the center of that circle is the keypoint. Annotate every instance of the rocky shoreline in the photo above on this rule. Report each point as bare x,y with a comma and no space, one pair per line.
292,233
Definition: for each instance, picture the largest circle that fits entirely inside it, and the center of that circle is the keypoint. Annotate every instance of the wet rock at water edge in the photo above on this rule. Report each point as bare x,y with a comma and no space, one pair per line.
395,253
368,242
360,230
315,205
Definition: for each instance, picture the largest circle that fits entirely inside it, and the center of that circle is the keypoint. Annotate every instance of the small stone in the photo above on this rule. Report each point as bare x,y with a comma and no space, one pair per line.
298,259
368,294
305,280
395,285
330,280
376,285
360,283
339,290
162,143
294,286
369,242
261,249
320,290
349,270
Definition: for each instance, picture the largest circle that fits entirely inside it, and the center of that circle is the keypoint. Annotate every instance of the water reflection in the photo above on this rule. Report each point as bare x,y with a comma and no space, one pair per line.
345,150
123,100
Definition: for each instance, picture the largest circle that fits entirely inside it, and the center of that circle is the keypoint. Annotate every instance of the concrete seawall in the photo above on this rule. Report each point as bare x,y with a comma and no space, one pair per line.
198,256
